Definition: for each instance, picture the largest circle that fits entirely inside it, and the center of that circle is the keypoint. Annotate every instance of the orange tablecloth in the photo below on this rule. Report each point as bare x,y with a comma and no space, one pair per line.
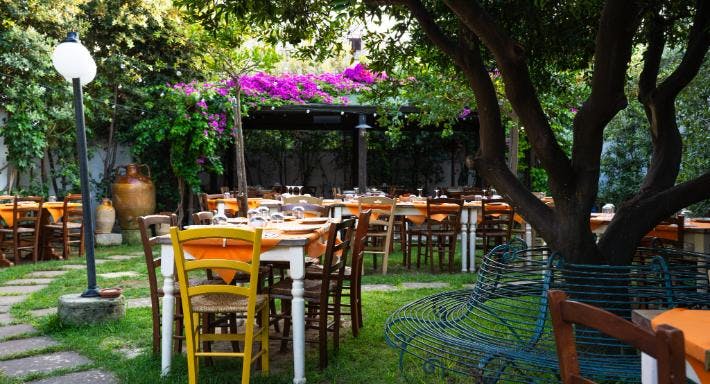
354,208
695,325
231,203
240,250
6,213
669,232
56,208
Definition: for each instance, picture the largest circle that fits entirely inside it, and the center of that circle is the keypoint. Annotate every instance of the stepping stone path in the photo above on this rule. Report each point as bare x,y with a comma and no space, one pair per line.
121,257
114,275
22,339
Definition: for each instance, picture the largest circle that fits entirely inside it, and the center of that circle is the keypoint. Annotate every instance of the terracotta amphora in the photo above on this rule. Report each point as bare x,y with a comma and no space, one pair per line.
133,194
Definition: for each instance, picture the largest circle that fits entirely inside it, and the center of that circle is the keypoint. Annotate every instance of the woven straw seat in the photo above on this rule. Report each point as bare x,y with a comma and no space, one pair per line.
59,226
499,330
19,230
311,289
221,303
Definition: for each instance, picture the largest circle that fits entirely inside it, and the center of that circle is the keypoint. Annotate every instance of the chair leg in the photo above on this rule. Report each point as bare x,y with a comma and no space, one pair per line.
265,340
179,325
233,330
323,337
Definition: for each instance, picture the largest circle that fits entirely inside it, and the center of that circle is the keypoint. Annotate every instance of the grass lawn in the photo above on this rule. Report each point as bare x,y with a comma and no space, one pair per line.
365,359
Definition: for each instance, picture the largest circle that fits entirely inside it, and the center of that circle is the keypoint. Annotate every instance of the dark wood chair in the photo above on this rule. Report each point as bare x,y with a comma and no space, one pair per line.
352,277
321,295
22,235
69,231
439,231
669,233
496,223
666,344
202,218
205,197
148,227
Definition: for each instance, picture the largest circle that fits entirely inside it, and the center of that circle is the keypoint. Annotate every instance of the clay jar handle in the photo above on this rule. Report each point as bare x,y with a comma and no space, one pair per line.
107,202
146,167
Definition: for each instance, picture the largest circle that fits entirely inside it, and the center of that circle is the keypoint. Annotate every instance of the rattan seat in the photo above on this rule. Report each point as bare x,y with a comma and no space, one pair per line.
59,226
223,303
19,230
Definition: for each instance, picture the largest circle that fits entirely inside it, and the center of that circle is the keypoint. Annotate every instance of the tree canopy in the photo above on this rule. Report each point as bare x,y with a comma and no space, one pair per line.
527,42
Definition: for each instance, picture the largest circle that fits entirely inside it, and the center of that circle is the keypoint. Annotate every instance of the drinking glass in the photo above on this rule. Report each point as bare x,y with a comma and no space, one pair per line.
299,212
420,192
356,191
252,213
300,190
257,222
52,198
264,212
436,191
277,217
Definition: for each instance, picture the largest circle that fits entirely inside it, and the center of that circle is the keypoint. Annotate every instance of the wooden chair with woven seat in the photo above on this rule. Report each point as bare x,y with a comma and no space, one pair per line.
666,344
352,276
21,236
69,231
380,232
496,222
202,218
322,295
222,299
669,233
438,232
148,226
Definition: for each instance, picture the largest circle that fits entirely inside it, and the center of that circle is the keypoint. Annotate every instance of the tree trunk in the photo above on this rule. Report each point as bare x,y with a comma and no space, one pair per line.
240,163
181,193
110,159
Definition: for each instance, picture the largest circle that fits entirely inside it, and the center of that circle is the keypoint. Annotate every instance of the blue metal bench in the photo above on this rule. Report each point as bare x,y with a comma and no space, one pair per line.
500,329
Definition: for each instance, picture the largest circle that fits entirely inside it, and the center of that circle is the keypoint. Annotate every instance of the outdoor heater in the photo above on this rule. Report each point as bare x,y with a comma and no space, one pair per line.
74,62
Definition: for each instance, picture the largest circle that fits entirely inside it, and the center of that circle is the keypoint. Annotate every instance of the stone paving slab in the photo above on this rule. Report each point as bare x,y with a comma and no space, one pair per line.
10,300
40,274
42,363
138,303
13,347
101,261
15,330
43,312
378,287
93,376
70,267
5,318
425,285
122,257
21,289
5,308
114,275
35,281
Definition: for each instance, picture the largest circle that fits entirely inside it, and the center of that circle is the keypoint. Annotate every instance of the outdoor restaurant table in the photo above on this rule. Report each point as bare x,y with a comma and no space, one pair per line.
695,232
231,203
291,248
695,325
469,220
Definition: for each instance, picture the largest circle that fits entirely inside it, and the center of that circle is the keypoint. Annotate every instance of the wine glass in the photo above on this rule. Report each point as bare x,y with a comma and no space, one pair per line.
436,193
299,212
356,191
420,192
300,190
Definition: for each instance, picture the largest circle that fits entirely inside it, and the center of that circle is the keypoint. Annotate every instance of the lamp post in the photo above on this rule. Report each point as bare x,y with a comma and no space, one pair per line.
74,62
362,128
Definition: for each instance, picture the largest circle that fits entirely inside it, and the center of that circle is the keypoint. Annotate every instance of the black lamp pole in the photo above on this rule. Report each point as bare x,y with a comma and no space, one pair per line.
92,290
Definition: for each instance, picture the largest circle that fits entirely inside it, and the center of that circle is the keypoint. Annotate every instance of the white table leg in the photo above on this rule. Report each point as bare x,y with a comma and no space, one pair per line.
528,234
464,240
298,316
473,222
337,212
167,269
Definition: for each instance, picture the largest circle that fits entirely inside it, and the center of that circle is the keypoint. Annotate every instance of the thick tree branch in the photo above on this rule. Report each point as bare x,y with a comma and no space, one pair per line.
429,26
518,87
698,43
651,58
640,215
617,26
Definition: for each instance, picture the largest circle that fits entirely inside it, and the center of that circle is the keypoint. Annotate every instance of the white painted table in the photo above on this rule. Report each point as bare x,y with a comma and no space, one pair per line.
287,250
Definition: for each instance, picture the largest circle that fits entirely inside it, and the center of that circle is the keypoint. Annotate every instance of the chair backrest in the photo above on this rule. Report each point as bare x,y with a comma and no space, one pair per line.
202,218
449,209
381,208
309,209
249,269
336,256
148,226
301,199
26,212
666,344
73,210
358,246
204,197
497,213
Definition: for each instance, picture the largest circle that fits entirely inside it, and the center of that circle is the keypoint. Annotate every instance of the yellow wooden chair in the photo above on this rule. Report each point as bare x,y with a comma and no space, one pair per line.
222,298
